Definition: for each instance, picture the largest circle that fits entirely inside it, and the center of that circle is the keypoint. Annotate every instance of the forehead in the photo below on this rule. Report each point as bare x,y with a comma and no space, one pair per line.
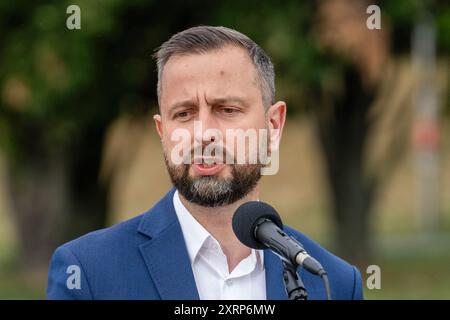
225,71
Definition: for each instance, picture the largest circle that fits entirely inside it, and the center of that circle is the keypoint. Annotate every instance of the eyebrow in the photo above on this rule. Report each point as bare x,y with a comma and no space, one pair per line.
229,99
182,104
214,101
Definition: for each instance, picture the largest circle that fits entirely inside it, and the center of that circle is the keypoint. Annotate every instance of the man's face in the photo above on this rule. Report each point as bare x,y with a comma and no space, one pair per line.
218,90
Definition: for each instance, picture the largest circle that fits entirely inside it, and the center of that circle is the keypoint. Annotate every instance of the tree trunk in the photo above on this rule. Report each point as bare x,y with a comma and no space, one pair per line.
40,198
55,199
343,129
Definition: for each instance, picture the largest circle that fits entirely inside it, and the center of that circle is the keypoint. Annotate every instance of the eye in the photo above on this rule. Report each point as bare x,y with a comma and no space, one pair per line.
229,111
183,115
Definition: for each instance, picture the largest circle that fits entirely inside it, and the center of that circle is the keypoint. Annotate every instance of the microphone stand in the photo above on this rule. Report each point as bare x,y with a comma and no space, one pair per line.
294,284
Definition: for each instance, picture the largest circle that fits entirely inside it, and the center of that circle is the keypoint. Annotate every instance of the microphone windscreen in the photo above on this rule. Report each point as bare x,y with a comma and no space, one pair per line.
245,220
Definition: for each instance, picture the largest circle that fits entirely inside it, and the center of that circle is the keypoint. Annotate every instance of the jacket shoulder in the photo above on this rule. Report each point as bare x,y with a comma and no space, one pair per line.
84,267
111,237
345,278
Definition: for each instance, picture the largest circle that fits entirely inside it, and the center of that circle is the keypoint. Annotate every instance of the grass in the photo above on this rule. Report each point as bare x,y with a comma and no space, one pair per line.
16,284
413,278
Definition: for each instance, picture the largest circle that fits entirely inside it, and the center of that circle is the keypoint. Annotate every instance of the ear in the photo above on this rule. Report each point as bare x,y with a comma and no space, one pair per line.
276,117
158,124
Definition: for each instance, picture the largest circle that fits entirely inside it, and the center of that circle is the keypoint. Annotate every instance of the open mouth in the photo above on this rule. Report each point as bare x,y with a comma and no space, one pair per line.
209,162
207,166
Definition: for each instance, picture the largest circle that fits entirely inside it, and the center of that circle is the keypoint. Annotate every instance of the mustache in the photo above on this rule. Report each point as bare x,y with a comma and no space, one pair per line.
209,150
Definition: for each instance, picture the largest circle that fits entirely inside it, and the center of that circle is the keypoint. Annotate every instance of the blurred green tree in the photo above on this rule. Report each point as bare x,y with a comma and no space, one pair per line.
60,89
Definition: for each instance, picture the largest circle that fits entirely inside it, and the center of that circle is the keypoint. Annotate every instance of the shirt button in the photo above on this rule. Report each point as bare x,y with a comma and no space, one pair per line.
229,282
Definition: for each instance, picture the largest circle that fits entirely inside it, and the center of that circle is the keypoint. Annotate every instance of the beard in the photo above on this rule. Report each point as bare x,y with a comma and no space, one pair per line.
214,191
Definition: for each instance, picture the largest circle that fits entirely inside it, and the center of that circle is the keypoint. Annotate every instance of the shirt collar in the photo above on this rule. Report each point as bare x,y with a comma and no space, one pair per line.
196,236
194,233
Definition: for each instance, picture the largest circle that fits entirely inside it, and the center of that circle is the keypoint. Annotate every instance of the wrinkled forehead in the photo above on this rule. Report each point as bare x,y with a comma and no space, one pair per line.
225,71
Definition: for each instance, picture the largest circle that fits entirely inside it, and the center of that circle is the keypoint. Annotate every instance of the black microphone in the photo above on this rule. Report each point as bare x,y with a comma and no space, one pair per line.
258,225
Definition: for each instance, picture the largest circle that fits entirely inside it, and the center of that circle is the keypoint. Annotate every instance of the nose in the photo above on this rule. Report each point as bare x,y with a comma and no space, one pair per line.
206,129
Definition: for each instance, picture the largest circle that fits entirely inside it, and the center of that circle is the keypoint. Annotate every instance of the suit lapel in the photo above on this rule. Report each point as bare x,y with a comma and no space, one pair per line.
165,254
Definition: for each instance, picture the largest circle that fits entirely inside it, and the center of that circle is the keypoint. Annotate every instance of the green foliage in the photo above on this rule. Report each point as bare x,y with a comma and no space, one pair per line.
57,83
402,15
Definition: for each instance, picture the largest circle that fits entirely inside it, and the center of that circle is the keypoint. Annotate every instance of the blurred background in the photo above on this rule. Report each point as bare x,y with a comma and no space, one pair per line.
365,156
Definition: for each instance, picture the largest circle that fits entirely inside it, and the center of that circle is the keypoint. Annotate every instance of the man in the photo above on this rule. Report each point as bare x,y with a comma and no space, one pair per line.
215,79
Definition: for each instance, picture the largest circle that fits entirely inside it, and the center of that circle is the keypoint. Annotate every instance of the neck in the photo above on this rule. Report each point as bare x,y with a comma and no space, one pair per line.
218,222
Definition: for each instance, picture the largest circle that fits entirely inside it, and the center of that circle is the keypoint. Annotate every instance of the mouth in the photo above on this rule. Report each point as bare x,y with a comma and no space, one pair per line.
207,166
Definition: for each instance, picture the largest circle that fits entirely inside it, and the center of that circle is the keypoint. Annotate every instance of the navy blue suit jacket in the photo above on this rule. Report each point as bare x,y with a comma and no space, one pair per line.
146,258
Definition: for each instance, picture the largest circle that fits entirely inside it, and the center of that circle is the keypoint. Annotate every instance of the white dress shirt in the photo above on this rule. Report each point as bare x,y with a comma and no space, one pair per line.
209,264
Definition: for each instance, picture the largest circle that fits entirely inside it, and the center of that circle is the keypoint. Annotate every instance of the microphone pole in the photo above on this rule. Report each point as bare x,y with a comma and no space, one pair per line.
293,282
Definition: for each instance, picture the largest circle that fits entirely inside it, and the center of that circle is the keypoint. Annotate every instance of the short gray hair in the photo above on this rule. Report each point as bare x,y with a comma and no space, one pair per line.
201,39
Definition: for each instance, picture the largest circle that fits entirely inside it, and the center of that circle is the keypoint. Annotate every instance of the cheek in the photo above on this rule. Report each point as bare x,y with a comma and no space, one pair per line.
256,120
176,135
177,146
